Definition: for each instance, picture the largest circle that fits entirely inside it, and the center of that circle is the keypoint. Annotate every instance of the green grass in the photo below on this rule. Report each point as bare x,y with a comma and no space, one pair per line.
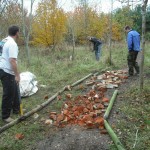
55,70
137,111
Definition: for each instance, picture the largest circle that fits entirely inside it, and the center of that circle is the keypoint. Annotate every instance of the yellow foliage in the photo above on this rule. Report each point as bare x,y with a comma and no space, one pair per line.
93,24
49,24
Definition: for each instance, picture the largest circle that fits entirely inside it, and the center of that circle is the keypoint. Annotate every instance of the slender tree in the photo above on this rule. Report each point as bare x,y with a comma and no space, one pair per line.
110,32
144,6
27,29
71,26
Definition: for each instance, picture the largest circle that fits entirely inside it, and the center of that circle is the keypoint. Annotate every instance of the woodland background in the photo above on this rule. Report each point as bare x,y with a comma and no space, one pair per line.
51,26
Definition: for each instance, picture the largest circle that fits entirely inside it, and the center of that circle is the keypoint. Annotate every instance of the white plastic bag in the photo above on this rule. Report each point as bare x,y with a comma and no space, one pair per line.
28,84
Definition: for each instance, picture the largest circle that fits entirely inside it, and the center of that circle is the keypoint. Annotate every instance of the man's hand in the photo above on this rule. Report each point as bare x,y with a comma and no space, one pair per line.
17,78
14,67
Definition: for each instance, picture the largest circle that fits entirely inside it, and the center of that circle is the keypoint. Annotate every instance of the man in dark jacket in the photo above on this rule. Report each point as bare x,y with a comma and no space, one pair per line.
97,46
133,42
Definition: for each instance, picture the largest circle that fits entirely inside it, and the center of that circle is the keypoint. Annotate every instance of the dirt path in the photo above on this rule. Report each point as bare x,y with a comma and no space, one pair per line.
75,138
78,138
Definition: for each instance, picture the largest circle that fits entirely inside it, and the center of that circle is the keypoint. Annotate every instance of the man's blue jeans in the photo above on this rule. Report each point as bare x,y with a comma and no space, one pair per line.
98,53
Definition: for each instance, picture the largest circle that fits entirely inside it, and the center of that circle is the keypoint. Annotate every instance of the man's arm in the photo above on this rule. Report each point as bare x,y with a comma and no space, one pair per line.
15,69
129,41
93,39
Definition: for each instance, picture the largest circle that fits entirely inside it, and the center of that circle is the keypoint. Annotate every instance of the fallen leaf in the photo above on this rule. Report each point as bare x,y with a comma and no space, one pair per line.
85,110
68,96
103,131
81,87
99,121
59,97
19,136
105,99
53,117
81,123
60,117
101,127
46,97
89,124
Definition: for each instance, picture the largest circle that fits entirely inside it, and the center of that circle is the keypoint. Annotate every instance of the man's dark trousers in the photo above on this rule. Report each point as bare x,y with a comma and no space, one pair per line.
132,56
10,98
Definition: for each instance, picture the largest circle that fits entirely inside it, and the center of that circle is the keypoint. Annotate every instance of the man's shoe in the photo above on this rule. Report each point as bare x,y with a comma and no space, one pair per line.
8,120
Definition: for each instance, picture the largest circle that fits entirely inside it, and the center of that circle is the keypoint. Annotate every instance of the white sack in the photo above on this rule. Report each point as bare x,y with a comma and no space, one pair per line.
28,84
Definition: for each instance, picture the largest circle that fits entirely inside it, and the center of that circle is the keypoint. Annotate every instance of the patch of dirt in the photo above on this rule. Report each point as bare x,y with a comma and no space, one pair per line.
75,138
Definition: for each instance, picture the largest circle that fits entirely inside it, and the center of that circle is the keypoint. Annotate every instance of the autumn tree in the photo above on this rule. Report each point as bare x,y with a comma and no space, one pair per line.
124,16
98,25
49,24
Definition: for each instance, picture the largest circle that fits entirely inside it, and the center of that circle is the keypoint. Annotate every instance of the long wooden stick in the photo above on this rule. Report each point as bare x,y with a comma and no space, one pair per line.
81,80
113,136
26,115
106,115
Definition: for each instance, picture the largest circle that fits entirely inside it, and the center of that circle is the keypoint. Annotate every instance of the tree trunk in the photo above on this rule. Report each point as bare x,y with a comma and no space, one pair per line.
73,44
27,35
110,33
143,43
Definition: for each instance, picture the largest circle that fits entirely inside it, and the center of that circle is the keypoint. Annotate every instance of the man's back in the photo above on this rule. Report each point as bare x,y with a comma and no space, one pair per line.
133,40
10,50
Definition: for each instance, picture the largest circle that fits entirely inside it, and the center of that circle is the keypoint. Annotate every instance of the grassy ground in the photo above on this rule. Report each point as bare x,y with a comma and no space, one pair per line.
55,70
135,127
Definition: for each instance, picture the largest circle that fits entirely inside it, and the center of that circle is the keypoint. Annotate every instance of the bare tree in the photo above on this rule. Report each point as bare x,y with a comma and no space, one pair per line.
144,6
129,2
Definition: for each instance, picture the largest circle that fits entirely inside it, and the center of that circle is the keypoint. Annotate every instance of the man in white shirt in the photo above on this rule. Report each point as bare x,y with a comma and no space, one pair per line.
9,75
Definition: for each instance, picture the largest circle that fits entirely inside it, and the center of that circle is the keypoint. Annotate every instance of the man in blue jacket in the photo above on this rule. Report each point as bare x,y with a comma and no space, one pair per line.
96,46
133,42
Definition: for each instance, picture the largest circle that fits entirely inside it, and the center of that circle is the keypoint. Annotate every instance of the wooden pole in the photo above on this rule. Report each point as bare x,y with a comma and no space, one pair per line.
106,115
26,115
113,136
81,80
